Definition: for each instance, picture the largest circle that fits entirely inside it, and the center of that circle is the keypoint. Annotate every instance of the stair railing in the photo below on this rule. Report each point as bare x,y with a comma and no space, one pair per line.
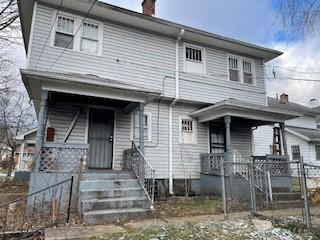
136,161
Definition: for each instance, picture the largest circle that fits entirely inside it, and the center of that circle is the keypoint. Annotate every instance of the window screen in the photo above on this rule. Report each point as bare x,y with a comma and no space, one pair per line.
233,69
64,33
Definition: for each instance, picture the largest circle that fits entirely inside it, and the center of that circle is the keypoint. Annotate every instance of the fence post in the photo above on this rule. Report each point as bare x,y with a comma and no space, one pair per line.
70,198
223,189
305,195
252,188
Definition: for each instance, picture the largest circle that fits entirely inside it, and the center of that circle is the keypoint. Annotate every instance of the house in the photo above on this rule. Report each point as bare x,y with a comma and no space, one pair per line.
130,96
301,133
25,150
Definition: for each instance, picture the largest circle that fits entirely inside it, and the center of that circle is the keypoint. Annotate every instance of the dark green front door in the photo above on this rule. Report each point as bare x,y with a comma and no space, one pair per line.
101,126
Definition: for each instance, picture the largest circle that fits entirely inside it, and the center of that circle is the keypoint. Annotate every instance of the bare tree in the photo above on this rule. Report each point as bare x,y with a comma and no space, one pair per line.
9,24
300,16
16,116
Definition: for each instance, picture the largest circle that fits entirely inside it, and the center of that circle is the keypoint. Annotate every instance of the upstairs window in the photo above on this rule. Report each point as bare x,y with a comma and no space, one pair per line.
187,130
64,33
234,69
194,59
241,69
247,72
71,32
295,149
89,38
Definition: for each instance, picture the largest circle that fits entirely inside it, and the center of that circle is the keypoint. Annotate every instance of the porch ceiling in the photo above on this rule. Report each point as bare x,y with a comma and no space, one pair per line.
237,108
85,85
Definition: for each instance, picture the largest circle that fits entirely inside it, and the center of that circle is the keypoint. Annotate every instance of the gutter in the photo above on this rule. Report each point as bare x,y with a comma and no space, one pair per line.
177,95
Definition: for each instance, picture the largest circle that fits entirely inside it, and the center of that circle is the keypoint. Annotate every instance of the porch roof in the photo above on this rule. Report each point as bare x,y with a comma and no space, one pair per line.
237,108
84,84
308,134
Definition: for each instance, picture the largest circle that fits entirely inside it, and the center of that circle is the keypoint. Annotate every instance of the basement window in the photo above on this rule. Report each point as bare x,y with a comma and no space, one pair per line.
194,59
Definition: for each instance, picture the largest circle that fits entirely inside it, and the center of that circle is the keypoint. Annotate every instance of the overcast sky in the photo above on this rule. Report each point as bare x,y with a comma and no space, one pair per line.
255,21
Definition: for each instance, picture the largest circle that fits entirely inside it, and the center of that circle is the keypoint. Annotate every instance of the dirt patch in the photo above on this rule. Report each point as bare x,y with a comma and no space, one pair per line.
188,206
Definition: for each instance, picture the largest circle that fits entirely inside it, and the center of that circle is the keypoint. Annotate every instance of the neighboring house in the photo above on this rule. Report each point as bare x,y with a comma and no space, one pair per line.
318,116
116,76
301,133
5,151
25,150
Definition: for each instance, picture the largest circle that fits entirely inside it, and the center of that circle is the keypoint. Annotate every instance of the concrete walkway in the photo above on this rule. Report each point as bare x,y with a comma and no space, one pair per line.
85,232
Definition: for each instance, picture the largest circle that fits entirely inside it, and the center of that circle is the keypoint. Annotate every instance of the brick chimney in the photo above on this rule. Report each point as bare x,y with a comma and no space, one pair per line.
149,7
284,98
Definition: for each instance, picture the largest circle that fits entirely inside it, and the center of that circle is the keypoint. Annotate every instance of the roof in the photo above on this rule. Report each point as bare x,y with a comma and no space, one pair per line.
235,107
23,136
308,134
155,25
292,106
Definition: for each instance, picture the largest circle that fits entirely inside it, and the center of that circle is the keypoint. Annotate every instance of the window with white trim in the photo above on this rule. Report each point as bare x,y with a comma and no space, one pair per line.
147,126
194,59
295,149
317,147
64,36
89,38
241,69
187,130
234,69
72,33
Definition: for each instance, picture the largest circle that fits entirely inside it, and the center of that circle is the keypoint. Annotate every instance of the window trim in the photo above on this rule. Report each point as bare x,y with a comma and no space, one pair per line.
292,147
149,115
241,72
194,130
77,37
203,55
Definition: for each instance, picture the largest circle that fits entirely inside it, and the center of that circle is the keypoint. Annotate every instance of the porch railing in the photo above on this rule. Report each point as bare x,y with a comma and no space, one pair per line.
273,164
62,157
136,161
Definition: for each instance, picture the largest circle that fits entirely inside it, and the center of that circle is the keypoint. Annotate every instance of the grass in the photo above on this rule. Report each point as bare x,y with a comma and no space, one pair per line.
3,171
190,206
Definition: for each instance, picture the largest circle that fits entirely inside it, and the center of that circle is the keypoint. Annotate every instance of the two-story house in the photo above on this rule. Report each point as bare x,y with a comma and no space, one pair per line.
117,90
301,133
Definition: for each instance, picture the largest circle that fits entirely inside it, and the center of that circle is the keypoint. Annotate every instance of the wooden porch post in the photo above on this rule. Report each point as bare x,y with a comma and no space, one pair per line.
284,139
41,126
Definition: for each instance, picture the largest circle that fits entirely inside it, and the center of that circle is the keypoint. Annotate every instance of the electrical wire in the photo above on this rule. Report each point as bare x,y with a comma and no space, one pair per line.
293,70
85,17
51,28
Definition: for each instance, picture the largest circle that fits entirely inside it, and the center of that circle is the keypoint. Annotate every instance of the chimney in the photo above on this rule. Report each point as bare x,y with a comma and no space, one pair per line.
149,7
284,98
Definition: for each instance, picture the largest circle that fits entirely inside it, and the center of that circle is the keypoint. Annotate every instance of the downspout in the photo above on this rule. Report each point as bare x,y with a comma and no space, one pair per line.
177,76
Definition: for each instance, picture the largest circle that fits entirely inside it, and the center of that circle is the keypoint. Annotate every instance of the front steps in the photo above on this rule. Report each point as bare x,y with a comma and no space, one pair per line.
112,196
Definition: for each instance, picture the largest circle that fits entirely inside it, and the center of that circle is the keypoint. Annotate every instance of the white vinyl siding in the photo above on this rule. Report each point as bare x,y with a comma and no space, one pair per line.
194,59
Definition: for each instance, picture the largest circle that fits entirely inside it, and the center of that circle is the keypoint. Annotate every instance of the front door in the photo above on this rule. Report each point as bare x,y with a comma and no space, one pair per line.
101,126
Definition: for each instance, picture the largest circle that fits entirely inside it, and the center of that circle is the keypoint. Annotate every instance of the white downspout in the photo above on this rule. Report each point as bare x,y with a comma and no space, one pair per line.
177,95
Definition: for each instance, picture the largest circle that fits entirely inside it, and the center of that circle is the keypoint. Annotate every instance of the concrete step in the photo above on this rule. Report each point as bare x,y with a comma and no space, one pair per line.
115,203
115,215
282,204
87,194
109,184
112,175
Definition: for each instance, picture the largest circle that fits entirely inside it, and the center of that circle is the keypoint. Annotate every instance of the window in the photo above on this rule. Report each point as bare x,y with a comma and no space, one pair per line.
89,38
217,144
234,69
64,33
247,72
317,146
72,33
187,130
194,59
295,152
147,126
241,69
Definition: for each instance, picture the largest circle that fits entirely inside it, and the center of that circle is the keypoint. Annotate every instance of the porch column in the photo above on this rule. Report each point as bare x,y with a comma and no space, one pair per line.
284,140
41,130
227,121
141,127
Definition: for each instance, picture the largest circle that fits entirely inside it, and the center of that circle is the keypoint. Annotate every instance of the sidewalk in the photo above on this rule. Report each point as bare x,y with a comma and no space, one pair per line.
85,232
